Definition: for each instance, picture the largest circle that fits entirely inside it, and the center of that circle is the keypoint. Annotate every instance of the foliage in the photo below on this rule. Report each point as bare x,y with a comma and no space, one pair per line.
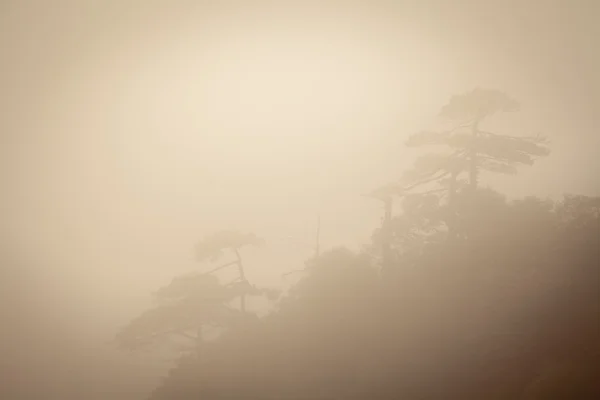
478,318
472,319
193,302
478,102
213,246
492,152
184,306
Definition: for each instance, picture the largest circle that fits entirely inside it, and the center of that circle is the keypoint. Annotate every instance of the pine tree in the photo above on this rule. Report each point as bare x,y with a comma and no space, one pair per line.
473,149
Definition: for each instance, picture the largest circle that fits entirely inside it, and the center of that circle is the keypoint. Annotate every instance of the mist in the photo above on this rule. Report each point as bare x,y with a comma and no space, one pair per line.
132,130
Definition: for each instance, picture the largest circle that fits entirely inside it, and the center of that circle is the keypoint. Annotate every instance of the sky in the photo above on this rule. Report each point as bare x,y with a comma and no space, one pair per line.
131,129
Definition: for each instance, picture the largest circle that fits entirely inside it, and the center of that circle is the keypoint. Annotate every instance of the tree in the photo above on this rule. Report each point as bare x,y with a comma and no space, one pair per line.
386,196
473,149
194,303
291,352
475,319
419,223
216,245
184,308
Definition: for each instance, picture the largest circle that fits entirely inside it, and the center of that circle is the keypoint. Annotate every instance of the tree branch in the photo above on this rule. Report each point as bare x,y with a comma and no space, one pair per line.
239,263
465,125
539,139
220,267
294,271
432,191
182,334
422,182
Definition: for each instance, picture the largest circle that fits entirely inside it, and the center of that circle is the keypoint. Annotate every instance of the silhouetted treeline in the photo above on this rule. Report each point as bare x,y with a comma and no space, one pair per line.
512,311
463,295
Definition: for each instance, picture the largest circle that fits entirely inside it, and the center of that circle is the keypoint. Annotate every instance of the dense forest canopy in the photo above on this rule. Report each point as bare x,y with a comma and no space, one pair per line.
494,317
463,294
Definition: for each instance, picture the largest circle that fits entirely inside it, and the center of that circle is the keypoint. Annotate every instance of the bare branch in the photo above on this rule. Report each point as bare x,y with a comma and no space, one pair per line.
182,334
220,267
538,138
294,271
429,180
432,191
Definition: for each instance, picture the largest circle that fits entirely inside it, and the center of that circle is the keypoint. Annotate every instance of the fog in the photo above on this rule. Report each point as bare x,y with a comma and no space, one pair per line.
131,130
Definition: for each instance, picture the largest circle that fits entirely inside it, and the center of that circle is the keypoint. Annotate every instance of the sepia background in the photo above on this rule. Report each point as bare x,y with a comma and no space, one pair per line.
130,129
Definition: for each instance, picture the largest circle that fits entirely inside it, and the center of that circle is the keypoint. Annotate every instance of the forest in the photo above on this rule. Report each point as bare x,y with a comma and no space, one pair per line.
462,292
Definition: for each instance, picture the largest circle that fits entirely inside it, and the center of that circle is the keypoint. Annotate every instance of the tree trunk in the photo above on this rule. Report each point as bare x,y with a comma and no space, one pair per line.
318,240
387,234
242,278
473,172
473,167
452,211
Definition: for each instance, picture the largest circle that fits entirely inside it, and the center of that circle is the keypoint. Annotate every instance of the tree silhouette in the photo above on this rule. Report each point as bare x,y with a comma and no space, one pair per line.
479,318
473,319
386,196
195,302
184,307
472,148
215,246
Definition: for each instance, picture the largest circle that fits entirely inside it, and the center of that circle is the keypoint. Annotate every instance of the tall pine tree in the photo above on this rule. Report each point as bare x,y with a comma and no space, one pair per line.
472,149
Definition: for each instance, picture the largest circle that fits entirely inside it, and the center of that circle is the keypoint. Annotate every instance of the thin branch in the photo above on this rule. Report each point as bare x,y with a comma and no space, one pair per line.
538,138
183,334
233,282
449,131
453,156
465,125
242,277
220,267
432,191
173,331
239,263
294,271
157,335
422,182
496,158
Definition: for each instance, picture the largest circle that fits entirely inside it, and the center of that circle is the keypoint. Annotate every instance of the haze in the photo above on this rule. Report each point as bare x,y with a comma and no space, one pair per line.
131,130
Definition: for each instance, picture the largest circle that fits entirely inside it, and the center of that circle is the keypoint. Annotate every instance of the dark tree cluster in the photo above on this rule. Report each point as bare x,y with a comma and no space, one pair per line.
476,297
